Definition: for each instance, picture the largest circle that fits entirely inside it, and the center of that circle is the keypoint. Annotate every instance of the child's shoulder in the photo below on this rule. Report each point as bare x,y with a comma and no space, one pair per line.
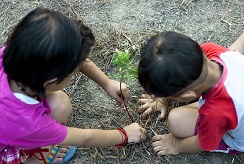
212,49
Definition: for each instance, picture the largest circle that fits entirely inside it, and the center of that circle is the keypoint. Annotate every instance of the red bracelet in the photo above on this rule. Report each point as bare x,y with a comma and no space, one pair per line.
124,143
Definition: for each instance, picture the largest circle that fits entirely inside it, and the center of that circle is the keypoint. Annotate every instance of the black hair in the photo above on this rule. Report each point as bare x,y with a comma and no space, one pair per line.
44,45
169,62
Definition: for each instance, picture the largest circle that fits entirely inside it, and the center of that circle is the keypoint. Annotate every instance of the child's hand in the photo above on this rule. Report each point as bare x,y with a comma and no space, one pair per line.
135,133
113,90
164,144
150,105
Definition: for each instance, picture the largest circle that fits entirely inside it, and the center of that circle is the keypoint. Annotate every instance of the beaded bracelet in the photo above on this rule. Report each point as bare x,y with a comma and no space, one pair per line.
125,141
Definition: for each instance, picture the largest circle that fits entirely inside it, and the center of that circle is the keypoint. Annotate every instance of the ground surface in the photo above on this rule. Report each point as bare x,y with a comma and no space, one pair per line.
125,24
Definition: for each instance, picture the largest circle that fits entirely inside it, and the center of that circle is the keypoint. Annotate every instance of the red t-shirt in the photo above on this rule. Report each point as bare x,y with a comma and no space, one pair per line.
217,112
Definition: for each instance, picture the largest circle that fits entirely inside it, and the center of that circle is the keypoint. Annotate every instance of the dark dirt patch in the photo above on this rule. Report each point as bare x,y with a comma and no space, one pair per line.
123,24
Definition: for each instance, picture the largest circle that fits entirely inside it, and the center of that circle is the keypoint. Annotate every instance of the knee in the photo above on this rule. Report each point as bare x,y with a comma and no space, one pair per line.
174,121
65,106
61,107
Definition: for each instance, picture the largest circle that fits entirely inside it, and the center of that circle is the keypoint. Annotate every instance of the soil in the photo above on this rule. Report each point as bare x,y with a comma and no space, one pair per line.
119,24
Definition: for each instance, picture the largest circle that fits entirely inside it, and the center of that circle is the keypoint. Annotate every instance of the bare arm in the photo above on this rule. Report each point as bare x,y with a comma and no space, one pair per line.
103,138
92,137
238,45
93,72
111,87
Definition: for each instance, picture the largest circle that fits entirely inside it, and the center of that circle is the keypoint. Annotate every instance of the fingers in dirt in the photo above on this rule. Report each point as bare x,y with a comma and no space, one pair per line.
145,101
162,115
147,112
156,138
146,96
142,108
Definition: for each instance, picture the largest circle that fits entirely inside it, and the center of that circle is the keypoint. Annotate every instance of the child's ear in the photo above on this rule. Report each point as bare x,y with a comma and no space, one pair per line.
49,82
188,95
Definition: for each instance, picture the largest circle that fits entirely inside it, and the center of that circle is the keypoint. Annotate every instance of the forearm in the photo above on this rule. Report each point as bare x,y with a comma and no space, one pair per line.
89,69
187,145
92,137
238,45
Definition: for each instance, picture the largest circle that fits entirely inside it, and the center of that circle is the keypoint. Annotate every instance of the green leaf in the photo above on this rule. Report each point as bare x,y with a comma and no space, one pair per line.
123,62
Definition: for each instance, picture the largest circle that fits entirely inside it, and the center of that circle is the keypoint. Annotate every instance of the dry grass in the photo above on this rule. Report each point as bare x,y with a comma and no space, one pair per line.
123,25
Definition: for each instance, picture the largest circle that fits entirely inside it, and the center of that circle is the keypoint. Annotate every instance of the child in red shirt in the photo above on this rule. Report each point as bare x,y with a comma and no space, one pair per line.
173,66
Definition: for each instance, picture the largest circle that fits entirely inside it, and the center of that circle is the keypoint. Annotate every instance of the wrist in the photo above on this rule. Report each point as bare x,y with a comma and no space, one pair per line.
105,83
124,137
163,100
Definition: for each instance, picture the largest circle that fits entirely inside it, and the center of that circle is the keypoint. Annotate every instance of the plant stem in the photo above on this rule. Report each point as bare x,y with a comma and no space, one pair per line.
125,107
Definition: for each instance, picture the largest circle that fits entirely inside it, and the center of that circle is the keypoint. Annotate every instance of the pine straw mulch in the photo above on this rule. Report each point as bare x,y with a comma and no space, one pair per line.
119,24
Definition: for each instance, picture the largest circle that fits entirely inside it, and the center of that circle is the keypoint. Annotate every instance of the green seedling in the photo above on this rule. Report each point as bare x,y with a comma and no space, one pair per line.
126,70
